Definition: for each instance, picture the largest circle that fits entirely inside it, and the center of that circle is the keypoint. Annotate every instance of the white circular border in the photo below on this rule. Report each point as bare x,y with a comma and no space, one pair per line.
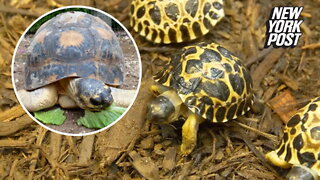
106,14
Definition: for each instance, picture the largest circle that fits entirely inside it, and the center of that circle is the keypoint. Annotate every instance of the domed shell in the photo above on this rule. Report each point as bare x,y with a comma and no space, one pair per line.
74,44
173,21
301,140
210,80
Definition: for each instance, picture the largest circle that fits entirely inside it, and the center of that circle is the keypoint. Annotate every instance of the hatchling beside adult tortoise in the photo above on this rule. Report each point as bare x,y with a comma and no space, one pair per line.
174,21
300,146
204,82
74,54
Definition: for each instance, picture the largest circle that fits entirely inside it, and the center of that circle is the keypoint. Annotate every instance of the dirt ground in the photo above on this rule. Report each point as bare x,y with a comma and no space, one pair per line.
283,79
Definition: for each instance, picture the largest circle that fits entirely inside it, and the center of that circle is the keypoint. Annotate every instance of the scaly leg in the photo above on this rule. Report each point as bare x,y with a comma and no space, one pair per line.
189,133
39,99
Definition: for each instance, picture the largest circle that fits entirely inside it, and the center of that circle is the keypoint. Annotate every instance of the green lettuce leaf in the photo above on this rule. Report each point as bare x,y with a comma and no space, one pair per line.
101,119
54,116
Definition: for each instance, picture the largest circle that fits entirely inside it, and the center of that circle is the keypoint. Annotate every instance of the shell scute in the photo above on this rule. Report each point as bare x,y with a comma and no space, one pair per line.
207,83
173,21
74,44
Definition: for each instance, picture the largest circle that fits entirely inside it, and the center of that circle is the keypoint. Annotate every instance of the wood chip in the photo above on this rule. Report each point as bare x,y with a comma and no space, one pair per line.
145,166
73,145
269,92
86,149
169,161
18,11
305,14
7,128
12,113
147,143
293,84
224,34
265,66
55,145
311,46
305,29
259,174
35,155
13,143
13,169
259,57
256,152
284,105
266,135
185,170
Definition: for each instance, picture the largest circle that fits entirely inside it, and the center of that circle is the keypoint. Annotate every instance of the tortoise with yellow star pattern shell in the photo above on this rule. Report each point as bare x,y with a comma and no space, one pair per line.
204,82
78,53
300,145
175,21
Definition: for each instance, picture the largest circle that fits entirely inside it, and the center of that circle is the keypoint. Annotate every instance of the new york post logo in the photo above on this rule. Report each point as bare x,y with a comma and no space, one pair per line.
283,27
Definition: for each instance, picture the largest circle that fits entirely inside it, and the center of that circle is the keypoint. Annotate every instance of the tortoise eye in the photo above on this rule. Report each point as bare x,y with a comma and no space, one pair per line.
96,101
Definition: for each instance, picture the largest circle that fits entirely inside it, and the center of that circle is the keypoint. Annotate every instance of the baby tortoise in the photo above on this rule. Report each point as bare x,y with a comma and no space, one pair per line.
300,146
174,21
74,54
204,82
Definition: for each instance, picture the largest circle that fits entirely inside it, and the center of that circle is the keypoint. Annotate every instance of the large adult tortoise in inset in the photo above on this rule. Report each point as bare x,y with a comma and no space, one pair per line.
76,55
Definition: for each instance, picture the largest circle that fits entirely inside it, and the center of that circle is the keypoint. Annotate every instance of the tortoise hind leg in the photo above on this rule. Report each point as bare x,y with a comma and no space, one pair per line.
39,99
189,133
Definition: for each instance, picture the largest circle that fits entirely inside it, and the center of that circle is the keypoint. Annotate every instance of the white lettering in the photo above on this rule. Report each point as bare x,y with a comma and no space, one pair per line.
271,25
296,26
279,26
276,12
295,13
285,13
297,36
288,26
272,38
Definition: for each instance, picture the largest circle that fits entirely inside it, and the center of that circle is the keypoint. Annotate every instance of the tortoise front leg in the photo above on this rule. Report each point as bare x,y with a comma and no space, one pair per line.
189,133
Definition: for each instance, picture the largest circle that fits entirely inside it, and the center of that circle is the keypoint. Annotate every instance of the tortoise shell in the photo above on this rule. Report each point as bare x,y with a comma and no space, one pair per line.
173,21
74,44
301,140
210,80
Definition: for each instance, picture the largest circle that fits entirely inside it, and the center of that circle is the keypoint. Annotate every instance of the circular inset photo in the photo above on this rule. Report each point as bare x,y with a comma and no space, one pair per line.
76,70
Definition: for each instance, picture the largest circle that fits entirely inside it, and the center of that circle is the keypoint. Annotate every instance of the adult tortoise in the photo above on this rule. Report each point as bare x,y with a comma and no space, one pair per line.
300,145
203,82
77,56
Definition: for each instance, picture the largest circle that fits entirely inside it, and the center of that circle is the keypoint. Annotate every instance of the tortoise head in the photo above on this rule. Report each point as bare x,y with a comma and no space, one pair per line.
90,94
301,172
165,108
160,110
